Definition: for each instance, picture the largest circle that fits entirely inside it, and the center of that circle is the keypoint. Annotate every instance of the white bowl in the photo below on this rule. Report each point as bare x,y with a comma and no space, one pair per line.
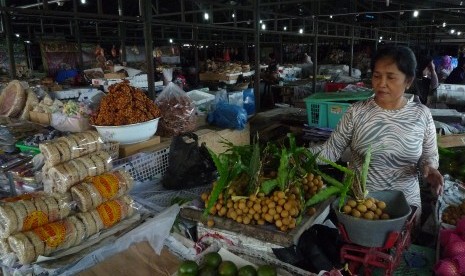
129,134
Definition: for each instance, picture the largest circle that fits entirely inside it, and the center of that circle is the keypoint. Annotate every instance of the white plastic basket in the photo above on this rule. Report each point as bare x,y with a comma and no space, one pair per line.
145,166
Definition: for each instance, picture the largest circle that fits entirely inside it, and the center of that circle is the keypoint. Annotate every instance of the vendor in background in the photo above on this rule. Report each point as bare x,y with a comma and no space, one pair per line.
271,75
402,134
308,59
444,69
426,82
457,76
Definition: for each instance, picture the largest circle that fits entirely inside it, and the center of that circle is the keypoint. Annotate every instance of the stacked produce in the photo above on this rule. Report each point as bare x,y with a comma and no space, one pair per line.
213,264
78,174
452,258
225,67
21,214
371,208
70,159
94,191
274,185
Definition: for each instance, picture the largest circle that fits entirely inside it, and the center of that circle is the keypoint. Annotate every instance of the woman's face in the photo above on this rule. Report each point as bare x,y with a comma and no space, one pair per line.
389,84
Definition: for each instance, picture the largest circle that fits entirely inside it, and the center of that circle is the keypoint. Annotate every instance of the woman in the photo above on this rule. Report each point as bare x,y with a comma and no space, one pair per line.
457,76
426,82
445,68
401,133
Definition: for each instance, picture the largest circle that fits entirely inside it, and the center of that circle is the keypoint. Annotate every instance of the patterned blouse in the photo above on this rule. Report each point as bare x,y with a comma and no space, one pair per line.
402,141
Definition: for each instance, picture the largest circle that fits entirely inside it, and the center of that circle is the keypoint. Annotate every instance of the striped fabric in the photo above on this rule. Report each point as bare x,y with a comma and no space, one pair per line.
401,140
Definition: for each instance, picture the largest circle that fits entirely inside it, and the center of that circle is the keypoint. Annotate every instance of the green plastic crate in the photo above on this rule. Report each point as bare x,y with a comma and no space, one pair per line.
326,109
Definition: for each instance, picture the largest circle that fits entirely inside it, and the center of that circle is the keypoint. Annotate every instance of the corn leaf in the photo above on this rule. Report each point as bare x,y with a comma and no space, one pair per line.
222,167
310,160
322,195
254,168
337,166
268,186
329,179
292,144
283,174
347,184
365,167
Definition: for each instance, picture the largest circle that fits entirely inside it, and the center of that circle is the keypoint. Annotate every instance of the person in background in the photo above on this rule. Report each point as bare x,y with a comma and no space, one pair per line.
457,76
271,73
444,69
308,59
402,134
426,82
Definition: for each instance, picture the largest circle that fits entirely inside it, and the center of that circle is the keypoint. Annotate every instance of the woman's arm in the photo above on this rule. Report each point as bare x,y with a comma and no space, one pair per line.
429,160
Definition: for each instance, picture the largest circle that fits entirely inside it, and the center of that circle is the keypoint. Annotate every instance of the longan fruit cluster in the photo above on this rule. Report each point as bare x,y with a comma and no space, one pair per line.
453,213
278,208
370,208
312,184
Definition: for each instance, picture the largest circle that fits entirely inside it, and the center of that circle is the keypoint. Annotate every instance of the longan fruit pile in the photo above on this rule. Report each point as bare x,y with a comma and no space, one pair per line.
312,184
371,209
278,208
453,213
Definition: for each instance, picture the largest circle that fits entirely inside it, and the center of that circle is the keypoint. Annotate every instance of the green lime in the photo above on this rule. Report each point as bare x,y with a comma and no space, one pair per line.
227,268
212,259
266,270
247,270
207,271
188,267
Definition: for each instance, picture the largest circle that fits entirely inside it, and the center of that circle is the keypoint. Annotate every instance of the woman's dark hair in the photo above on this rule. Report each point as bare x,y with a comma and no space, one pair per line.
401,55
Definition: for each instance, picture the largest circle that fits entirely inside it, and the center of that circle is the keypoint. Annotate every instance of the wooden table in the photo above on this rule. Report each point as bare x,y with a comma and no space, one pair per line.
264,233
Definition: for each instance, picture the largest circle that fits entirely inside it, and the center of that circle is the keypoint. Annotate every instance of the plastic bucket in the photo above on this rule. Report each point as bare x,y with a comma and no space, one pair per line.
373,233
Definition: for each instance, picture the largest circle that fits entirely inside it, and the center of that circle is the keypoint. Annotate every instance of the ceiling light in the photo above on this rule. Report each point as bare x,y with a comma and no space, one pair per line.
261,21
83,1
206,16
171,40
301,31
444,24
331,16
415,13
233,15
380,37
59,3
17,35
452,31
27,41
263,26
285,28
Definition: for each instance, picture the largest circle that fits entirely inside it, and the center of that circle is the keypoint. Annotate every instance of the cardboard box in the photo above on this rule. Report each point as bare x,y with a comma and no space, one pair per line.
210,76
40,117
130,149
139,258
214,138
450,141
115,75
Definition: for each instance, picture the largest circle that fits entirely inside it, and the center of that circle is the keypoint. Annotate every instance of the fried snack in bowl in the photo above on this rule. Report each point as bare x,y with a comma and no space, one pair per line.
126,115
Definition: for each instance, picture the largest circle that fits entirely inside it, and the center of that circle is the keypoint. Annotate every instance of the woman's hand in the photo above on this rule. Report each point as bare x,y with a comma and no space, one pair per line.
435,179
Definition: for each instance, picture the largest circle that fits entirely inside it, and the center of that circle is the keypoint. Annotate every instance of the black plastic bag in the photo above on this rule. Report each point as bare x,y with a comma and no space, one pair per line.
189,165
320,246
